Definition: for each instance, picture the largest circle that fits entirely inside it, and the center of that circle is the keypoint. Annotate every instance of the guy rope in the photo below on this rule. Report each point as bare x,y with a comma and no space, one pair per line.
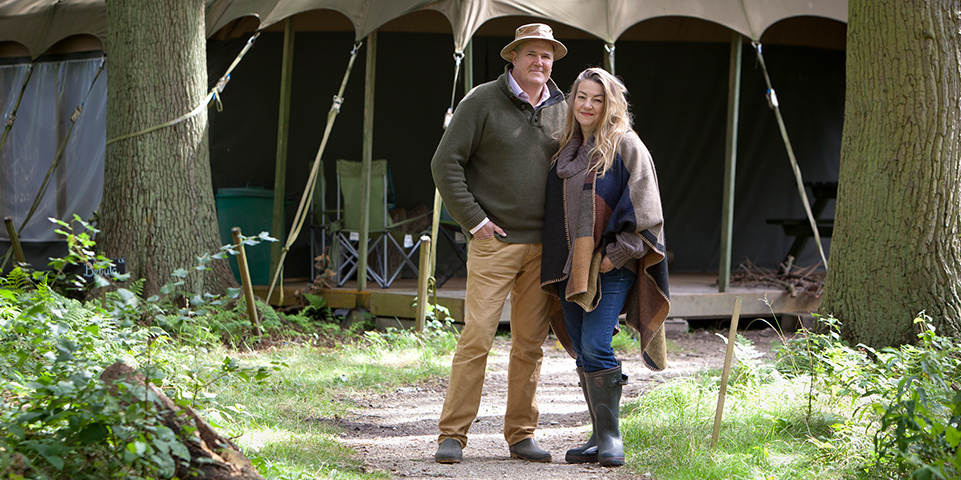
308,195
773,103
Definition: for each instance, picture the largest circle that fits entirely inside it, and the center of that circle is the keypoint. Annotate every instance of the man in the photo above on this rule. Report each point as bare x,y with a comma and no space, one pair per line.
491,170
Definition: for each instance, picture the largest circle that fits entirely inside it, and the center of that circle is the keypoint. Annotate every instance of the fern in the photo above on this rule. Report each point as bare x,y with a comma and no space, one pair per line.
18,280
137,287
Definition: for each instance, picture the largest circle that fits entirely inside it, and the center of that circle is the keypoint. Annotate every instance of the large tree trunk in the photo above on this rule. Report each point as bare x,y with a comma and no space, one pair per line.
895,250
158,206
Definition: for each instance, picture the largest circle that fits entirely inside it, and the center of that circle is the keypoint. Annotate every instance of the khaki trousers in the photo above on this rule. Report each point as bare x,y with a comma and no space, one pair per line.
494,269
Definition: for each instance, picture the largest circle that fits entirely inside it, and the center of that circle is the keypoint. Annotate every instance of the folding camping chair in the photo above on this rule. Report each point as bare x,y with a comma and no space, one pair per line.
345,231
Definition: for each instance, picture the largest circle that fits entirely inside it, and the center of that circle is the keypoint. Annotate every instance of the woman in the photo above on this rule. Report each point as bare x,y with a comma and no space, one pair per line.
604,251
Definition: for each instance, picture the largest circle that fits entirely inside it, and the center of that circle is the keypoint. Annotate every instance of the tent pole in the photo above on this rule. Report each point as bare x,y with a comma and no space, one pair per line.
283,122
367,154
730,163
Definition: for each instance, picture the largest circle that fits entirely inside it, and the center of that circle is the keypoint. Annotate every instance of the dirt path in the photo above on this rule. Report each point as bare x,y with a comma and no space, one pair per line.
397,432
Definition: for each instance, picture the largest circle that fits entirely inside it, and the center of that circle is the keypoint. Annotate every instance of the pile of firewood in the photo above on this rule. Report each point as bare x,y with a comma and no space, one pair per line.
794,279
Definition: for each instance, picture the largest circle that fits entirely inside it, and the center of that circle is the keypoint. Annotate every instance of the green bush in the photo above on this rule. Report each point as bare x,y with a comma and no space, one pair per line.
908,398
57,418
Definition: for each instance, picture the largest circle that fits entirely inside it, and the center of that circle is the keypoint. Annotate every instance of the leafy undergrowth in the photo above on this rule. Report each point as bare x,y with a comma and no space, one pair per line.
59,421
823,411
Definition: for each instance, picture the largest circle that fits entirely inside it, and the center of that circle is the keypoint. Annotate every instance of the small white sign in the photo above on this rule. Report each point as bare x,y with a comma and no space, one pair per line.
354,236
408,241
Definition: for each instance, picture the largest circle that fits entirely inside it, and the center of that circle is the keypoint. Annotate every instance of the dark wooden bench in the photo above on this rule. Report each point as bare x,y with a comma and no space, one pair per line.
800,228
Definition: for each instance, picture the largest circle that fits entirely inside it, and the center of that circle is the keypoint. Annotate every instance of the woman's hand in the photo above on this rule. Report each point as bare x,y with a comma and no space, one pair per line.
606,265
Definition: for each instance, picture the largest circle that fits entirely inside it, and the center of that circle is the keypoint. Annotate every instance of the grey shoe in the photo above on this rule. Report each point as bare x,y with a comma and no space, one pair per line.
526,449
449,451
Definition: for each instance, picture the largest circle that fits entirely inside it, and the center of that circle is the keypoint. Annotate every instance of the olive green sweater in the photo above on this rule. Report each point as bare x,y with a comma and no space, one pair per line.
494,157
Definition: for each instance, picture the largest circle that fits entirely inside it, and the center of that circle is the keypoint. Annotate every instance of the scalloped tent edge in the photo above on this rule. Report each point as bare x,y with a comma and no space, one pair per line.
39,24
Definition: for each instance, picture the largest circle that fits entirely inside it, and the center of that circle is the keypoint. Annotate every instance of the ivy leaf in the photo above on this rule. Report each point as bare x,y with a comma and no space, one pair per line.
180,450
953,436
55,462
127,296
16,430
100,282
137,448
30,416
181,273
92,433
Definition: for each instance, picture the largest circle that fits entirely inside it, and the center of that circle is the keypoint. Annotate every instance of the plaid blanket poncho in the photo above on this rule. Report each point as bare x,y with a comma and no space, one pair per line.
620,215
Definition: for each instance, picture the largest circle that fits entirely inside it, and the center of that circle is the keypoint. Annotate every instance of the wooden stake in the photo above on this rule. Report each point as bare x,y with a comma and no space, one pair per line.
729,356
245,280
423,274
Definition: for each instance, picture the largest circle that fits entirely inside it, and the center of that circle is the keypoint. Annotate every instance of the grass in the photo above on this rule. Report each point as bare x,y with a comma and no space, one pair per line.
764,433
769,429
290,419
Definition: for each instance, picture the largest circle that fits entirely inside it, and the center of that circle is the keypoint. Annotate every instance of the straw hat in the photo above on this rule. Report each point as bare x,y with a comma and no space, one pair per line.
534,31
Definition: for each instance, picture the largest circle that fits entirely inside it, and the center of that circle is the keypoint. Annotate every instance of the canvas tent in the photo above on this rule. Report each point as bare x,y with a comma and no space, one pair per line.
39,24
36,25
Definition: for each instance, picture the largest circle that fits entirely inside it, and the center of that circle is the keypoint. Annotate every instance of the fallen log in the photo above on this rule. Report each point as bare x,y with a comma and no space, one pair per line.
212,457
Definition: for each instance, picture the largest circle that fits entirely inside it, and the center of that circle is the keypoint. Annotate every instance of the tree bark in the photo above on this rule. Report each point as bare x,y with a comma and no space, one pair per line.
158,206
895,249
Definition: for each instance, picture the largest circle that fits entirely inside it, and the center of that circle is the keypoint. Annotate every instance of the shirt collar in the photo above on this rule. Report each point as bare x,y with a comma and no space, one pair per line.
521,94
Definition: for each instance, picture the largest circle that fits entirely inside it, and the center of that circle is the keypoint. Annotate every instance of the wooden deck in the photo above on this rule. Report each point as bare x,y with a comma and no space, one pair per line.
693,296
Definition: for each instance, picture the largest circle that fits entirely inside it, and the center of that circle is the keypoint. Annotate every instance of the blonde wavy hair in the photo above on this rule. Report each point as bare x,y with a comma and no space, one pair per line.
615,121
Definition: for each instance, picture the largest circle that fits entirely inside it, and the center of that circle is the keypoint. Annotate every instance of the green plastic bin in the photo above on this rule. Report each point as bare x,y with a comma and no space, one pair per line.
251,209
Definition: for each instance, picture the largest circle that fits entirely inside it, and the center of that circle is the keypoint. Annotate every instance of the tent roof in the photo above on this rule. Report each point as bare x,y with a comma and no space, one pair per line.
609,19
39,24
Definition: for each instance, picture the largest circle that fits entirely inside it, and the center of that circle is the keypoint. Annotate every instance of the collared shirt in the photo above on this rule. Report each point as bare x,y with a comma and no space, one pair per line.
521,94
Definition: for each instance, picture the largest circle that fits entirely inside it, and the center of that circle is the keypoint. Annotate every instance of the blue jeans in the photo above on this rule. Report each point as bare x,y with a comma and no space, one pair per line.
591,332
